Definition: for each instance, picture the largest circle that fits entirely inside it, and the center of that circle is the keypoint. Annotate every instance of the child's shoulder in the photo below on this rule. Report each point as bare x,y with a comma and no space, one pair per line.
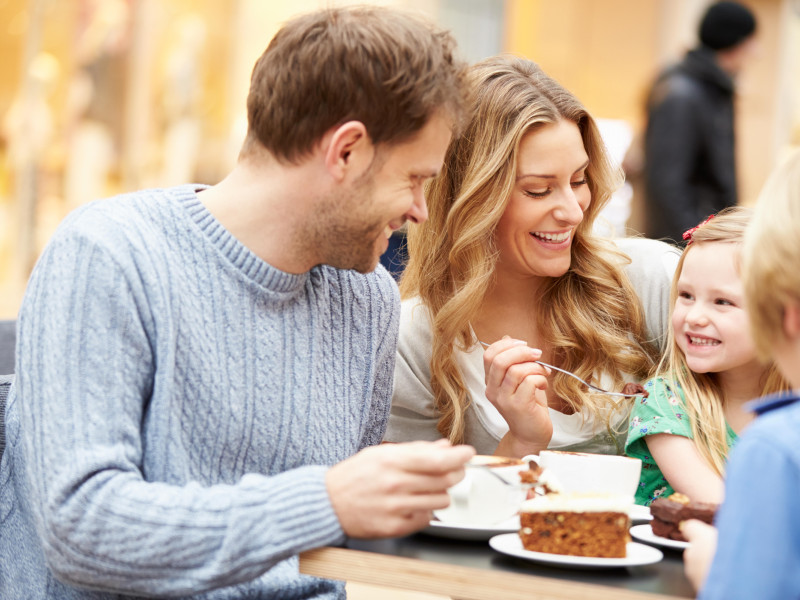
777,412
777,425
663,386
774,402
664,399
662,410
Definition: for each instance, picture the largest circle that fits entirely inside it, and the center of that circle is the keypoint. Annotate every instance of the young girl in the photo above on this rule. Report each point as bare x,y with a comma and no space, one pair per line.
683,430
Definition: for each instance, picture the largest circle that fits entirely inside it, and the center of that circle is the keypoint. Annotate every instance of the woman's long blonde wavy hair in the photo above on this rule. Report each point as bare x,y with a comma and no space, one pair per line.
704,398
590,316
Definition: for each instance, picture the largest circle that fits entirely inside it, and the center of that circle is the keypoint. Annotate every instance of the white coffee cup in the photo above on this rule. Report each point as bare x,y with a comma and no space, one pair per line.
481,499
590,473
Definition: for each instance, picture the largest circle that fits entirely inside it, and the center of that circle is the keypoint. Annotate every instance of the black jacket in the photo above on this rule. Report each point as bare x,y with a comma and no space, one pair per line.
689,145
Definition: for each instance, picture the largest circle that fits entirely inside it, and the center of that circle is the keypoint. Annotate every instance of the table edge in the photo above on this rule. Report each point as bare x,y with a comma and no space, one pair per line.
465,583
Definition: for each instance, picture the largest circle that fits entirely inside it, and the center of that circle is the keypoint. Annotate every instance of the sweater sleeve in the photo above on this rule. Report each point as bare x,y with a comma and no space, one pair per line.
413,416
86,376
386,316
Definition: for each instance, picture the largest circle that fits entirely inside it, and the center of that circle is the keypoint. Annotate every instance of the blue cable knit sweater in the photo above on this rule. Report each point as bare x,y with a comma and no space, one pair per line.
177,403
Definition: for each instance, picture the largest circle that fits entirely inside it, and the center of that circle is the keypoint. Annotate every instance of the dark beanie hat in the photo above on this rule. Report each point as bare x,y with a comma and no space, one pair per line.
725,24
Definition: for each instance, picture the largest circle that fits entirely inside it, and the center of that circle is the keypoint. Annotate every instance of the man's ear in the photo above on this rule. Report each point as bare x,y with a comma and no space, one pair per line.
791,320
350,151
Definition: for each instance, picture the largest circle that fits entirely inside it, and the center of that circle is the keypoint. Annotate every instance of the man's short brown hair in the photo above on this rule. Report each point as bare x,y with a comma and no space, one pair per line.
384,68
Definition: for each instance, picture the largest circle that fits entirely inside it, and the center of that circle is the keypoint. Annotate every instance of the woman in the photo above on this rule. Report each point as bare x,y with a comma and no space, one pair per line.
507,259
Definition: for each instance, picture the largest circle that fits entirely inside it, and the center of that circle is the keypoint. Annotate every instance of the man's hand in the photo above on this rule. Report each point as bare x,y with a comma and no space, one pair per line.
698,556
391,490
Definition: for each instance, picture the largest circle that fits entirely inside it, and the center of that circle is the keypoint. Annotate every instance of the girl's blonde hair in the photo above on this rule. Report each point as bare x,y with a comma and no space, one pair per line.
704,400
590,316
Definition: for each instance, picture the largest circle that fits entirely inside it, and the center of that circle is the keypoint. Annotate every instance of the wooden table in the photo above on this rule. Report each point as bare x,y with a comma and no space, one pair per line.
470,570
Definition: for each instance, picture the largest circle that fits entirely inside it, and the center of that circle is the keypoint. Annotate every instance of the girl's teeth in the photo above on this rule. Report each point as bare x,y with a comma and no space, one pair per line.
703,341
553,237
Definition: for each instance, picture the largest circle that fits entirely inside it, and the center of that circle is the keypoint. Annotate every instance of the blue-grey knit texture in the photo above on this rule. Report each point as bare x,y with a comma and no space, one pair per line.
178,402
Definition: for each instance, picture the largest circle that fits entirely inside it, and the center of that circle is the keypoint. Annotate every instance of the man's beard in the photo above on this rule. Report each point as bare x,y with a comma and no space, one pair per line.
344,235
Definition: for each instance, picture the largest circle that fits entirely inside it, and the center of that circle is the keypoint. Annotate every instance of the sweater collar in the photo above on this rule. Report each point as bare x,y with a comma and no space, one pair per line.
239,255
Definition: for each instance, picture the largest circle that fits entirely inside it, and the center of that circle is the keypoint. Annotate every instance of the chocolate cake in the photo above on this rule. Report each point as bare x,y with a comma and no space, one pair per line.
635,388
670,511
593,525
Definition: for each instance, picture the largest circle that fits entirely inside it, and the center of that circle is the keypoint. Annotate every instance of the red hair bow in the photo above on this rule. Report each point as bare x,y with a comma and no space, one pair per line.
687,235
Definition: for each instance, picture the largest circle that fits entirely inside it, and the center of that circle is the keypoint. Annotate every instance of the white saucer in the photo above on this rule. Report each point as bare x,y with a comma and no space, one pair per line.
637,554
644,533
466,531
640,514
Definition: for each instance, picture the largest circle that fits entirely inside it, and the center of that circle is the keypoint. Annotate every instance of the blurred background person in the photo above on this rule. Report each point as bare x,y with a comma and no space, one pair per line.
690,169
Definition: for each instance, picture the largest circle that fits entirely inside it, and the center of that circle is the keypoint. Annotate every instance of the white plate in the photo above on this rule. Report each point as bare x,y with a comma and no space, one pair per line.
640,513
644,533
464,531
637,554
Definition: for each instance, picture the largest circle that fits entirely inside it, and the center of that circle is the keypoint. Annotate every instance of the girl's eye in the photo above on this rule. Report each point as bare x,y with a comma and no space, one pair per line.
685,295
576,184
542,194
724,302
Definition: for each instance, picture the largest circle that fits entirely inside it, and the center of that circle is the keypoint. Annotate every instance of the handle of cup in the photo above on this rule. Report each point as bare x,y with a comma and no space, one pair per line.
533,457
459,493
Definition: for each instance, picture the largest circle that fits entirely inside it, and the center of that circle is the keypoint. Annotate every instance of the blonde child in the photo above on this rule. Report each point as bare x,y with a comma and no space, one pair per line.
757,554
694,412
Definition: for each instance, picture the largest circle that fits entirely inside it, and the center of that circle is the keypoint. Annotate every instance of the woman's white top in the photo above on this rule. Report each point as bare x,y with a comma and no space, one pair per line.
414,417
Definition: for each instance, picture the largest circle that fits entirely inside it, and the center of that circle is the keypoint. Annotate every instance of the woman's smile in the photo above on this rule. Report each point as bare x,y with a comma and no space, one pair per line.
534,235
557,240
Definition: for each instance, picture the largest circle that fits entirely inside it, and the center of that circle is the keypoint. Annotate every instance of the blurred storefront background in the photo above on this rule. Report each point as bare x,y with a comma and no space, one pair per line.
103,96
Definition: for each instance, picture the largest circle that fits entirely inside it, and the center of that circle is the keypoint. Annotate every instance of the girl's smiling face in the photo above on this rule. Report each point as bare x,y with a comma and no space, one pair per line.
550,195
709,320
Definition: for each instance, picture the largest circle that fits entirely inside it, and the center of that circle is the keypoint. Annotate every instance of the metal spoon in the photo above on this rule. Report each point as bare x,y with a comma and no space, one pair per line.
586,383
489,469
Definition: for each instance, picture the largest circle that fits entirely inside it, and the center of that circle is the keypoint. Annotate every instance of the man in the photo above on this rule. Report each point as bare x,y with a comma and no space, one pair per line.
192,360
690,169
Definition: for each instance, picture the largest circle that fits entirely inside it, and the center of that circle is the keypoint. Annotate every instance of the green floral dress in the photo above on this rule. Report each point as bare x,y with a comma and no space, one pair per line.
663,411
